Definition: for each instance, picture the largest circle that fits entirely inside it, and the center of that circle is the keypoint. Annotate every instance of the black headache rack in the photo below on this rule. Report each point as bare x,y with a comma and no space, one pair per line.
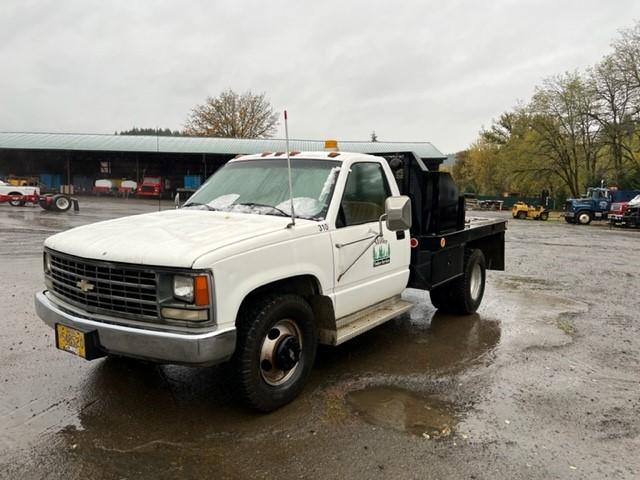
439,224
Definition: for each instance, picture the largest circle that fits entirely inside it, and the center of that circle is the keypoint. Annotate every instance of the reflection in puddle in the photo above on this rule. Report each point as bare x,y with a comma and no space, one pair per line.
420,345
402,410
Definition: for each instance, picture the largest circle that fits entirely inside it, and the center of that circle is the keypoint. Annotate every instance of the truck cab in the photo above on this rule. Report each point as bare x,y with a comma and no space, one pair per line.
256,273
153,187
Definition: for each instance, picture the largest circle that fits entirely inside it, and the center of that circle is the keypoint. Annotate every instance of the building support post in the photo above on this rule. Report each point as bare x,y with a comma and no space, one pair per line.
69,173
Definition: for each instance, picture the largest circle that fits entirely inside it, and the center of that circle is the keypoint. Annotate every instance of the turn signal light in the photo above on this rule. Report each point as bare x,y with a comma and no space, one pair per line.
201,290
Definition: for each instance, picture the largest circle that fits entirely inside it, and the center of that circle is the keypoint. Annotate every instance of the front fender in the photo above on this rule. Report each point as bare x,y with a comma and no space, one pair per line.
237,276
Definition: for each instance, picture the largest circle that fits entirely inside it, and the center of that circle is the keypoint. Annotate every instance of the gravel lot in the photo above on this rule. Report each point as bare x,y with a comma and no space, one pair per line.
544,382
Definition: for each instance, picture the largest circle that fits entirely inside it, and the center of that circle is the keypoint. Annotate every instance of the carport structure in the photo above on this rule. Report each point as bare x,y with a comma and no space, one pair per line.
57,159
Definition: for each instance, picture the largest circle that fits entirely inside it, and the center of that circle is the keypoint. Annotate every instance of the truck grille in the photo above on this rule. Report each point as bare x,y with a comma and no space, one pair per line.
103,287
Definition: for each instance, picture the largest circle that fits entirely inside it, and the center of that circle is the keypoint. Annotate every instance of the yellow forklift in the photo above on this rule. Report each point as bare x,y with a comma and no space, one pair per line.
522,210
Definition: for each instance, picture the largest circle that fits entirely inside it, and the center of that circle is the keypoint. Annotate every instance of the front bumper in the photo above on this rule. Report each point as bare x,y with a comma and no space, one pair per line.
201,349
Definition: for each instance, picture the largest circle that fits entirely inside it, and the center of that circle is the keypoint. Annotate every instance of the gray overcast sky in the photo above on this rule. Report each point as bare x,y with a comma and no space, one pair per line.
412,70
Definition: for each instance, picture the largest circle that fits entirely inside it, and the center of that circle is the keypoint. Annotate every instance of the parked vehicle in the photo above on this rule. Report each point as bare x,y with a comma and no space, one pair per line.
153,187
522,210
631,217
13,193
127,187
103,186
20,196
595,205
246,273
616,212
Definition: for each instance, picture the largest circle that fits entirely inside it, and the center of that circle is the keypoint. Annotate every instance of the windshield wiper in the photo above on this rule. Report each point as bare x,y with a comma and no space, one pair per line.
196,204
253,204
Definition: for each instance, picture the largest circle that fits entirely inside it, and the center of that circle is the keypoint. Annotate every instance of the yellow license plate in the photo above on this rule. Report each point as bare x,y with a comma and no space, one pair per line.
70,340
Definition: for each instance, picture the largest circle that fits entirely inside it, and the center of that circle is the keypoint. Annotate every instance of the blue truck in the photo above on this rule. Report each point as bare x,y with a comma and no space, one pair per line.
595,204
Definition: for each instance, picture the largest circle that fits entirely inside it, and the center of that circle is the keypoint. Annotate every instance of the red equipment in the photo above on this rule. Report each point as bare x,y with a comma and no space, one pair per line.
151,187
56,203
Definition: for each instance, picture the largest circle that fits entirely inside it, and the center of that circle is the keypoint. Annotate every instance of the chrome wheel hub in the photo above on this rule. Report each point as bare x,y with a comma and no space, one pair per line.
62,203
476,282
280,352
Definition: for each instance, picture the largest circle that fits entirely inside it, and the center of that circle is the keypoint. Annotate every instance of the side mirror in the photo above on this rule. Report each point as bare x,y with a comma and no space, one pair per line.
398,213
176,200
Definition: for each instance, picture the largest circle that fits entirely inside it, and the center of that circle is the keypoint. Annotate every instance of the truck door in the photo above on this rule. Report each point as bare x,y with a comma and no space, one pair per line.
366,272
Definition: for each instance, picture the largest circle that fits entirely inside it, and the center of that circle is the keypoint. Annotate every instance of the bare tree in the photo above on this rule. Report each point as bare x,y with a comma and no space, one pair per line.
233,115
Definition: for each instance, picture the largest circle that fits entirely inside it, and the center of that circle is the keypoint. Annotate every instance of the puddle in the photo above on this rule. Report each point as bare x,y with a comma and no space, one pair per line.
423,343
405,411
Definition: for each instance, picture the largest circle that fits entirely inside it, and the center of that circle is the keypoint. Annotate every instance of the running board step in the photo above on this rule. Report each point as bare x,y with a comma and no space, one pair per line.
363,320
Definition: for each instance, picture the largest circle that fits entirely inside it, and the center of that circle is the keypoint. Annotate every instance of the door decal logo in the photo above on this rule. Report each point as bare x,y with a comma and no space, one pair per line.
381,252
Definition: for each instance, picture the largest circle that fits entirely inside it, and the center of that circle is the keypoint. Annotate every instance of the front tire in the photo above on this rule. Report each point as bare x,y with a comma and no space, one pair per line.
16,203
583,218
522,215
544,216
275,350
464,294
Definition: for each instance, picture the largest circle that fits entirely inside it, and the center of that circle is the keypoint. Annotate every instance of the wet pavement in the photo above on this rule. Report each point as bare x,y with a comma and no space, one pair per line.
544,382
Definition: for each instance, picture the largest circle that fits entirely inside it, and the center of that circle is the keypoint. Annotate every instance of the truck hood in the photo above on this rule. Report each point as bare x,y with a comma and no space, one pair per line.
172,238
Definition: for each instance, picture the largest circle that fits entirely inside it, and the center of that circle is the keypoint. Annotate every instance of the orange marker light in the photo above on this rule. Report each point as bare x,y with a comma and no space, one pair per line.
201,290
331,145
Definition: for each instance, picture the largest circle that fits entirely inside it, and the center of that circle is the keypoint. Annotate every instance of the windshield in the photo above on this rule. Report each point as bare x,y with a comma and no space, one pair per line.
262,186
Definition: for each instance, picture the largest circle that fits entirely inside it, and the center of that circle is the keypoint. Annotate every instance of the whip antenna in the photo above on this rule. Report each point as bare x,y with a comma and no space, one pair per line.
286,137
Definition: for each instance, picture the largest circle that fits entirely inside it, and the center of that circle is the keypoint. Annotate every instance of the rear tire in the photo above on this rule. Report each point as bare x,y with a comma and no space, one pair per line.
544,216
522,215
464,294
569,220
61,203
275,350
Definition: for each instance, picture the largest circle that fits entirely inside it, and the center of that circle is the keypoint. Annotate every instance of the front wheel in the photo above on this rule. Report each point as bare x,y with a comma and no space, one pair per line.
522,215
464,294
275,350
16,202
544,216
583,218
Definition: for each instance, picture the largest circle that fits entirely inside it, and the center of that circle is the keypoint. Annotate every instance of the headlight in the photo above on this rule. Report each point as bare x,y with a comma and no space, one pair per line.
193,290
47,262
183,288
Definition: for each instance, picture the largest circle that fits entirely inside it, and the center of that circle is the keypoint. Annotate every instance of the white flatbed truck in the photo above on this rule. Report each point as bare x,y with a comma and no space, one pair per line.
232,276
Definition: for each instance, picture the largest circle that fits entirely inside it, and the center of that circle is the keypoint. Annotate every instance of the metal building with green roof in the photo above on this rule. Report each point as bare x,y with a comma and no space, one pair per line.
80,159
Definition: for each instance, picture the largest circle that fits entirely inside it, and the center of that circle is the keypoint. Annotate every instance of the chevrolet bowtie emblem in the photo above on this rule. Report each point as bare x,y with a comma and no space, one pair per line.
85,286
